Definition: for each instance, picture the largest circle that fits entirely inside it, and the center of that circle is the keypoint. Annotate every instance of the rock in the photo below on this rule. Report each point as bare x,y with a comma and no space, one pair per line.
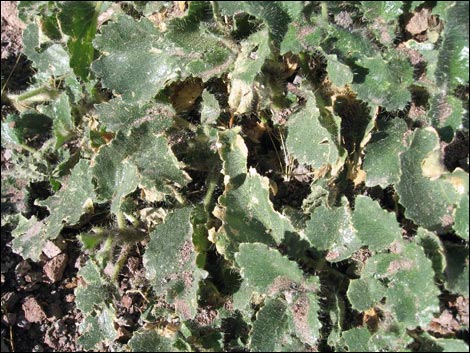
54,269
419,22
33,311
126,301
51,250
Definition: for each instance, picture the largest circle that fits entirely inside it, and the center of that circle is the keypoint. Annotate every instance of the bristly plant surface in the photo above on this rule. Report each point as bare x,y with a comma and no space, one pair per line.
280,164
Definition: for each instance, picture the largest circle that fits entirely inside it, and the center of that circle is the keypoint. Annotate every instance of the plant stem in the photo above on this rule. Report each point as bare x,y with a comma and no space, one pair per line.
120,262
214,177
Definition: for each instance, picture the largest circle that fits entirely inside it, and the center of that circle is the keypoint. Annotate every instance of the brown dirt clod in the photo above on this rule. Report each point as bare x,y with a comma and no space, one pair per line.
33,311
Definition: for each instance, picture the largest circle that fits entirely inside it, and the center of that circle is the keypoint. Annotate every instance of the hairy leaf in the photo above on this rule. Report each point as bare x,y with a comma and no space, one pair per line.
62,120
150,341
427,197
375,227
248,216
332,230
170,262
308,140
386,82
148,152
138,60
92,291
29,238
98,330
78,20
263,268
118,115
401,273
53,61
382,162
210,108
75,198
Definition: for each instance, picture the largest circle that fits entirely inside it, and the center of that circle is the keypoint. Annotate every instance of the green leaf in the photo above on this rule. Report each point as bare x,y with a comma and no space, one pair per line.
429,343
356,339
392,338
210,108
150,341
386,83
170,262
428,198
434,250
92,291
339,73
78,20
138,61
18,129
234,154
303,312
401,273
248,216
75,198
446,114
29,238
461,218
98,330
457,272
270,330
62,121
460,182
270,12
126,181
118,115
382,161
332,230
387,10
452,66
148,151
308,139
365,293
54,60
264,269
375,227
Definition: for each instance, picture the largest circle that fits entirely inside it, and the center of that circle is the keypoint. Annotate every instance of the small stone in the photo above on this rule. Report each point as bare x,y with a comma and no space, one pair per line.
51,250
126,301
419,22
33,312
54,269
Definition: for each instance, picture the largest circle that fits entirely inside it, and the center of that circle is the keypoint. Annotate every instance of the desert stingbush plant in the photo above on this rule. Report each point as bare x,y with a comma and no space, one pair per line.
139,102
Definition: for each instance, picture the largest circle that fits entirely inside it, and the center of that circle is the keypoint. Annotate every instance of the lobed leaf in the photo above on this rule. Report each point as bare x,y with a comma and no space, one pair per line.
78,19
386,82
375,227
170,262
150,341
309,138
98,330
29,238
332,230
75,198
401,273
118,115
382,161
428,197
138,61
